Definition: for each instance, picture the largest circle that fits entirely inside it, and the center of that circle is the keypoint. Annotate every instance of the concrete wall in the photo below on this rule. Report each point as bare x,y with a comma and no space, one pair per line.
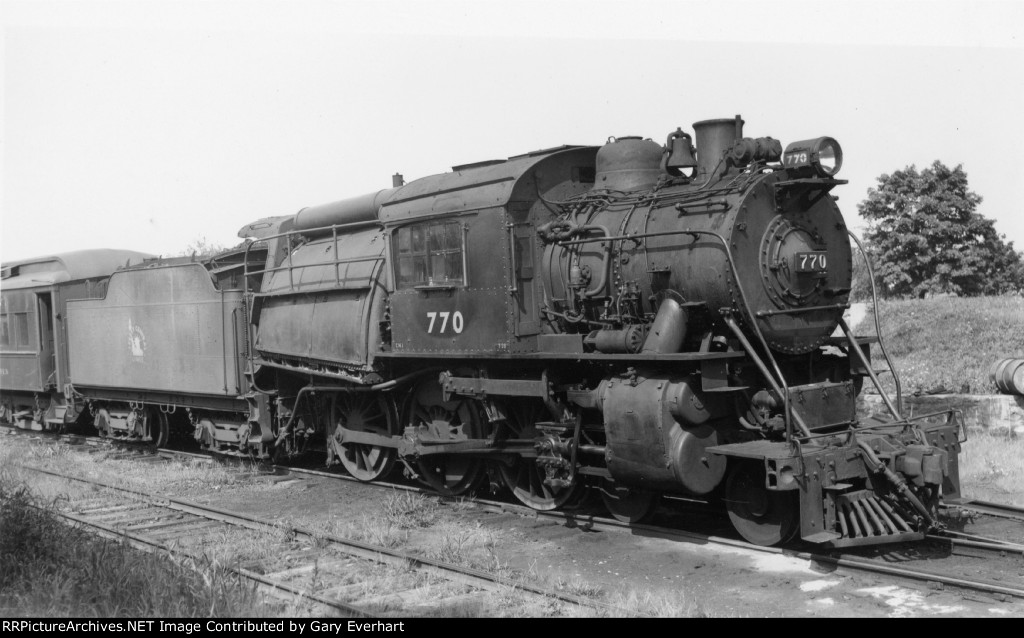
994,413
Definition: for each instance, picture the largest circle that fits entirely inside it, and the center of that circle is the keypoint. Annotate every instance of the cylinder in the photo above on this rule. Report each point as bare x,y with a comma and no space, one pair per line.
1008,376
362,208
630,340
714,139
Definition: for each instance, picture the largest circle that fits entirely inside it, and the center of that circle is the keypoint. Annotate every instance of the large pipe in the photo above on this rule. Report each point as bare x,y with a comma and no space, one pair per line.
362,208
668,330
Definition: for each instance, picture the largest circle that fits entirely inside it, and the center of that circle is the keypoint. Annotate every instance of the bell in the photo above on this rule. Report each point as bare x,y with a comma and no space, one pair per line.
680,147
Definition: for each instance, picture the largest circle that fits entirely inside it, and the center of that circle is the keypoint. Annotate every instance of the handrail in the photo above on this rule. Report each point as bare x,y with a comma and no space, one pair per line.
878,327
347,260
223,343
795,311
890,424
291,267
291,233
514,286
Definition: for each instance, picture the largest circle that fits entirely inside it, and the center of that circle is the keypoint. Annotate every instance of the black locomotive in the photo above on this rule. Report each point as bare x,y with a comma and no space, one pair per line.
640,319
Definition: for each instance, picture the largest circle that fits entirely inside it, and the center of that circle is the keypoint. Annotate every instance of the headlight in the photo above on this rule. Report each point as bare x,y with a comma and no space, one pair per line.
822,156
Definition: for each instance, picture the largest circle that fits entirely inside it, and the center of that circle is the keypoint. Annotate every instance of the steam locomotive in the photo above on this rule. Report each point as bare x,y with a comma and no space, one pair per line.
639,319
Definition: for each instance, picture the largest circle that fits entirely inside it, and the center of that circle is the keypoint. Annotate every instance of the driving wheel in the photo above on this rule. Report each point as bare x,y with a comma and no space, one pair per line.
524,476
438,422
362,412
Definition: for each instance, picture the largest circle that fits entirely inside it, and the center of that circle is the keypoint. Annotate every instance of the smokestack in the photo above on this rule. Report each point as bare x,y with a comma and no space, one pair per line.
714,138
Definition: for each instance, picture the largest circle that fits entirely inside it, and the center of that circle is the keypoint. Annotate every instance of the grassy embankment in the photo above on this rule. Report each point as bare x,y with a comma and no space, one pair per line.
952,342
948,341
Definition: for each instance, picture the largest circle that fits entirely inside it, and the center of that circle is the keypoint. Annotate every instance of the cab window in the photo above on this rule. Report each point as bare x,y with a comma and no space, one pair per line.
429,254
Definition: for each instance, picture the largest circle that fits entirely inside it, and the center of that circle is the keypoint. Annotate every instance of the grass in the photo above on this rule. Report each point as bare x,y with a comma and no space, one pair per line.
948,341
49,569
138,585
180,478
409,510
992,469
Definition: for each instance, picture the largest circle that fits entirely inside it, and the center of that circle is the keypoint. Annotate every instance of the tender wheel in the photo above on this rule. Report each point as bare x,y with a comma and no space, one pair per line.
363,412
159,428
760,515
524,477
101,424
629,505
438,421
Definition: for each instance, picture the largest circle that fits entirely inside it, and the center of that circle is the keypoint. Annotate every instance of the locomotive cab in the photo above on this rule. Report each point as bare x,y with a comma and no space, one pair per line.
463,253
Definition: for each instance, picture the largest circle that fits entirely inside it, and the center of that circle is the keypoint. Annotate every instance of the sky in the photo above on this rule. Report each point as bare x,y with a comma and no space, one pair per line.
148,125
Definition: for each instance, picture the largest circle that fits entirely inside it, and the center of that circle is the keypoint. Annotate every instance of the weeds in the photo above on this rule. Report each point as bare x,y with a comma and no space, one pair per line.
115,581
409,510
454,545
49,569
659,605
380,531
992,468
578,587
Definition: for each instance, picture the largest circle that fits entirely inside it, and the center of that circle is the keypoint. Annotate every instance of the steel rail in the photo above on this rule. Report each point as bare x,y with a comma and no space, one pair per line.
848,562
145,544
976,542
450,571
992,509
592,522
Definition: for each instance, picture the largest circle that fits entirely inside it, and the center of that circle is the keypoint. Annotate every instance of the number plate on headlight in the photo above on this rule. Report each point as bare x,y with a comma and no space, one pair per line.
811,262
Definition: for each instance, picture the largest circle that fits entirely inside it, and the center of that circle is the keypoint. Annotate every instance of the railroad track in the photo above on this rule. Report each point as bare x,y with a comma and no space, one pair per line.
314,568
975,546
847,561
980,547
992,509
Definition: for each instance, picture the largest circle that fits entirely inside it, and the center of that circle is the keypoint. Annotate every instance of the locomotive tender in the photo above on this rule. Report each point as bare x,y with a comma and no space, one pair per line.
640,319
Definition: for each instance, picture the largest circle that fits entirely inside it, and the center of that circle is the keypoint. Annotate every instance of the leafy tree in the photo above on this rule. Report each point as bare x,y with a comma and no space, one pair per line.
927,237
861,285
202,248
